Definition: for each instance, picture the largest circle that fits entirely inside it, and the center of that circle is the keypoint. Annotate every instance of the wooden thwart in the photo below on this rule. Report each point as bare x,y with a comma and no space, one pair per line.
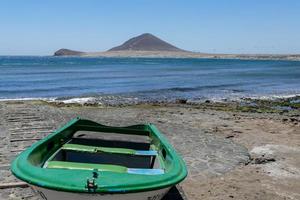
13,185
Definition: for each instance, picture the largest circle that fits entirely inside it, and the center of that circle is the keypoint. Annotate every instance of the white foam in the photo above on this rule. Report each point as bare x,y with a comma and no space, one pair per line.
80,100
29,99
273,97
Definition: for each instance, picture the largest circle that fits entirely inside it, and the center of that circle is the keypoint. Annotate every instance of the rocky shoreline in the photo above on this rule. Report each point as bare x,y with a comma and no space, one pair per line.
234,150
268,105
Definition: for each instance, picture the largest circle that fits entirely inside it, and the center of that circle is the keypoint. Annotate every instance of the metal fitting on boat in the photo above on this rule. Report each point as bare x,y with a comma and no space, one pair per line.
91,185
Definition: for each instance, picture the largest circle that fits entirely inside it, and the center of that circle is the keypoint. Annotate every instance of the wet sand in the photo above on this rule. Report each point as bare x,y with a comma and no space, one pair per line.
230,153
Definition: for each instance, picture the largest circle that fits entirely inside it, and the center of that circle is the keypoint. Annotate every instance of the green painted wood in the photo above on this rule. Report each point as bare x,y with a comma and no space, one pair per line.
28,165
93,149
86,166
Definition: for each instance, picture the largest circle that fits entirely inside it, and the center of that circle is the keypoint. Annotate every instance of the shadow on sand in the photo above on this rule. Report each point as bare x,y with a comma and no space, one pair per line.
175,193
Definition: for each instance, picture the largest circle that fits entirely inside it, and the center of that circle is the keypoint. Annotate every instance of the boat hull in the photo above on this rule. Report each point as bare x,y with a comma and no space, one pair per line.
54,195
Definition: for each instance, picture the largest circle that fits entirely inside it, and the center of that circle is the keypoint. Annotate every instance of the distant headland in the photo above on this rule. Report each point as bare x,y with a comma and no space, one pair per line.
67,52
148,45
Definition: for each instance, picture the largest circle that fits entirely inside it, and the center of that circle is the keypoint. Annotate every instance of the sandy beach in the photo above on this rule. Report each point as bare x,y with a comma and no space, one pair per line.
231,152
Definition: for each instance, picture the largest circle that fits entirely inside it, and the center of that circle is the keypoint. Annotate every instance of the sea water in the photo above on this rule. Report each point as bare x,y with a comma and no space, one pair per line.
145,79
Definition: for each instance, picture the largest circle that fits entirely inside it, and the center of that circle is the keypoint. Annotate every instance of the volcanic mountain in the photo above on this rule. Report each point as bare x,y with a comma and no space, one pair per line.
145,42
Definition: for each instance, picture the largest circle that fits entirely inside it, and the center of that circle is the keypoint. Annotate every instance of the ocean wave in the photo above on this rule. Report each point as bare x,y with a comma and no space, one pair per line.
39,90
28,99
196,88
79,100
124,79
274,96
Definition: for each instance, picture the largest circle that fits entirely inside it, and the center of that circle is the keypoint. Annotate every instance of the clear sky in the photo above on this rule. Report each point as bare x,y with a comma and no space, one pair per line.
35,27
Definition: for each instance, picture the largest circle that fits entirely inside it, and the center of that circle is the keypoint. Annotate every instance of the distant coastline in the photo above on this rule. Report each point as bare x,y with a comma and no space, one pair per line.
149,46
167,54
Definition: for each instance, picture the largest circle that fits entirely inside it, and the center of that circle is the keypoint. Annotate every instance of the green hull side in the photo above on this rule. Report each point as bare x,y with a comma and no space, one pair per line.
28,165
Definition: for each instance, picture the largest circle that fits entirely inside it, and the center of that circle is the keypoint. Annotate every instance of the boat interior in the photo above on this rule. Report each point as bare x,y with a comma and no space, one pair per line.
114,152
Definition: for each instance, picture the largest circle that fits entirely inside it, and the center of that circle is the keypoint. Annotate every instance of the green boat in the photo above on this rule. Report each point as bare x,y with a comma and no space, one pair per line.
87,160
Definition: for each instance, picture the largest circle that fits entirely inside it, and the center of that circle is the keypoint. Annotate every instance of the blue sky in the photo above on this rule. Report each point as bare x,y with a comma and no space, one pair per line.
35,27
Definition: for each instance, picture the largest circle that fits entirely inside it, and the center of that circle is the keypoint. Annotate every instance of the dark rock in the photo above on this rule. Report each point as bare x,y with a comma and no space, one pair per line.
181,101
293,119
67,52
296,115
90,104
237,131
262,160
